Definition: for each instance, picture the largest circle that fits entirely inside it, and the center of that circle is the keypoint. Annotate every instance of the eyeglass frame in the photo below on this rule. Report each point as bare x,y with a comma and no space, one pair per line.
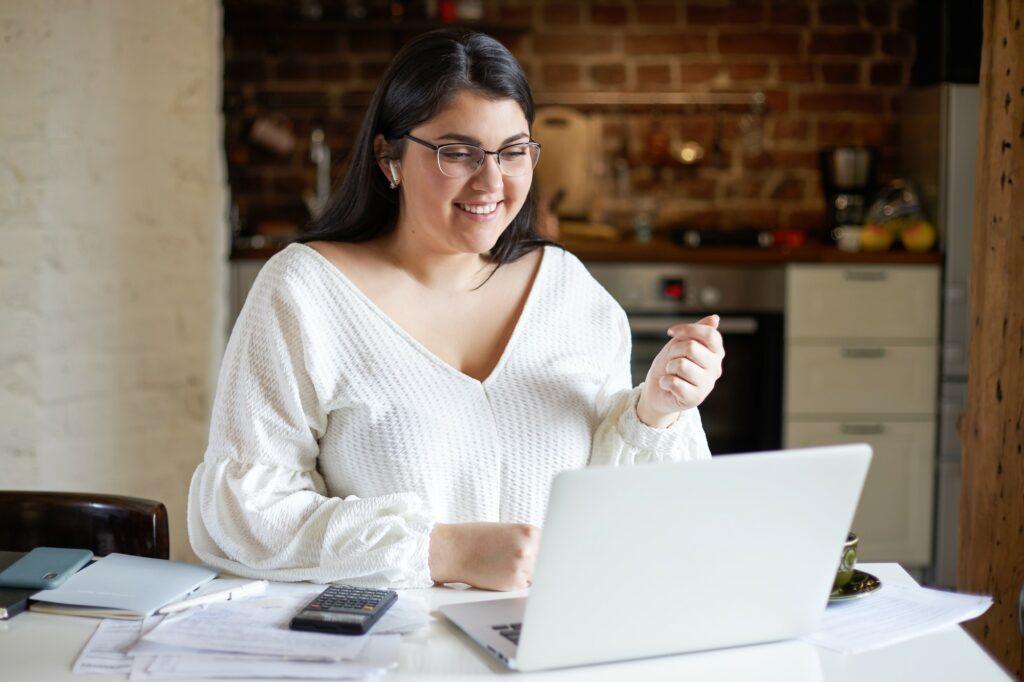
438,147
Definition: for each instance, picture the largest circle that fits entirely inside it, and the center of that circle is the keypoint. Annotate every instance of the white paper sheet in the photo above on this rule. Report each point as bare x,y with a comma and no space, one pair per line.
379,655
259,625
107,649
245,630
248,638
408,614
895,613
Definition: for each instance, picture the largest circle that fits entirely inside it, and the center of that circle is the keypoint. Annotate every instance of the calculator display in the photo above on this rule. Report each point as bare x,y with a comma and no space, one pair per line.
337,617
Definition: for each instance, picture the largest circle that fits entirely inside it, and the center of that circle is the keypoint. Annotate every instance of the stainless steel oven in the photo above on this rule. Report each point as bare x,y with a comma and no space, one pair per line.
744,412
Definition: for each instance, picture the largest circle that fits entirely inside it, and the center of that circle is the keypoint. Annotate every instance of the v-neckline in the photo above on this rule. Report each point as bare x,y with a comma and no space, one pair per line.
413,341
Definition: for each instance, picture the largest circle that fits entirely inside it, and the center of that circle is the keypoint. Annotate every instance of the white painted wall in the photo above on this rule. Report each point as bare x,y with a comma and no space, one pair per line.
113,245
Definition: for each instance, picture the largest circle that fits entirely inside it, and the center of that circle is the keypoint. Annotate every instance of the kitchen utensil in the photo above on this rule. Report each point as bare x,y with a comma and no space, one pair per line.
751,125
657,142
274,132
567,163
693,237
717,153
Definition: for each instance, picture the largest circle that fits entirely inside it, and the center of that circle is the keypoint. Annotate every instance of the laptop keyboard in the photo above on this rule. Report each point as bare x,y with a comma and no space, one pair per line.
509,632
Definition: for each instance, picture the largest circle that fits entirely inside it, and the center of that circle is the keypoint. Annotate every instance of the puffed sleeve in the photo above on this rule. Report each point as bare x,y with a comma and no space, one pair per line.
257,505
621,438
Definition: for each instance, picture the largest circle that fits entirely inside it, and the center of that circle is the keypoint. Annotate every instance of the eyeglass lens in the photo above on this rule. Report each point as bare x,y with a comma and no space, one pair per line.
458,160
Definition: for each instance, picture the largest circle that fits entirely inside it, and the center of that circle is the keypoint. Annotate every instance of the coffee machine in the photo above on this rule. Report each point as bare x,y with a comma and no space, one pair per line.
848,177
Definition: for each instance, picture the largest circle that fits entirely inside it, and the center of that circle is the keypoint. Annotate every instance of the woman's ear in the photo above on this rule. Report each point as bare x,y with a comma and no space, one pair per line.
382,151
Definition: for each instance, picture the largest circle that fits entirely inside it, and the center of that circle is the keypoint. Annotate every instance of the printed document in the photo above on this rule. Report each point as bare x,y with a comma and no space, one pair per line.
894,613
248,638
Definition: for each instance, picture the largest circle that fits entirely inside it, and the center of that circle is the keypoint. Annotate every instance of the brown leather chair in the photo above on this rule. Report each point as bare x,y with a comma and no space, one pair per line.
102,523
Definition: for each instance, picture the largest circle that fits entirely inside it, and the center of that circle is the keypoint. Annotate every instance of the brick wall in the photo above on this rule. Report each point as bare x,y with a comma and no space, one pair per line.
112,270
831,70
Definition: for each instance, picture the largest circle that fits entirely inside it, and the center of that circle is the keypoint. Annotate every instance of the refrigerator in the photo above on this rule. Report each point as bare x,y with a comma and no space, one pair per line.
938,147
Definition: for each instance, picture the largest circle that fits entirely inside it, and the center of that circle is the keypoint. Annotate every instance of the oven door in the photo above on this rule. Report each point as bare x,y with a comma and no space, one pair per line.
744,411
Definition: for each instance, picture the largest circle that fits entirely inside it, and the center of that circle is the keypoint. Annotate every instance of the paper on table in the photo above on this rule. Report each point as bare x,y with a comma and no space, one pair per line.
107,649
379,655
245,630
893,614
259,625
408,614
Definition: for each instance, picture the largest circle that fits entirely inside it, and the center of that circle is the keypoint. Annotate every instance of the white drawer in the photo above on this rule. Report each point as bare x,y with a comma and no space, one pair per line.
862,302
894,517
856,378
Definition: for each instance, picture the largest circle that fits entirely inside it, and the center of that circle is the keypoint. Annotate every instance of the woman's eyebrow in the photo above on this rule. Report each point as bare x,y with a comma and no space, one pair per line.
472,140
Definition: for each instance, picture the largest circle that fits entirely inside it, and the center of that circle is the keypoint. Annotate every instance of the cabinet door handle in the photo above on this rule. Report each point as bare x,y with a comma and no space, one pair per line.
861,429
658,325
865,275
863,353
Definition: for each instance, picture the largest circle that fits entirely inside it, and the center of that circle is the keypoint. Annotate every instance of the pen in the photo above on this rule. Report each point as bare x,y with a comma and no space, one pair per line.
246,590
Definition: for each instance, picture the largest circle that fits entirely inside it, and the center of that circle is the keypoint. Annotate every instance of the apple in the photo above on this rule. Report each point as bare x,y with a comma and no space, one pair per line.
919,237
875,238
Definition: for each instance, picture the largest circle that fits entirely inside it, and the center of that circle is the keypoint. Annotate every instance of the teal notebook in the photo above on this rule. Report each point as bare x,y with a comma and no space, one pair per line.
123,586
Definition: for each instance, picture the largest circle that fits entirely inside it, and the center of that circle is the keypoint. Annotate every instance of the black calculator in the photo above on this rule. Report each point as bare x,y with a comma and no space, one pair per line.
344,610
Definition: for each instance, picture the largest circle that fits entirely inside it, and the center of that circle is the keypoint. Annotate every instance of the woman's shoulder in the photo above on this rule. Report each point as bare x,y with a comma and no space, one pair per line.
570,269
571,279
294,260
317,260
298,272
564,262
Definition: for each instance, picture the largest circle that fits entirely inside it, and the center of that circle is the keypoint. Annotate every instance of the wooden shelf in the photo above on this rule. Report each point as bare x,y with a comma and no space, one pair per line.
754,100
402,26
662,250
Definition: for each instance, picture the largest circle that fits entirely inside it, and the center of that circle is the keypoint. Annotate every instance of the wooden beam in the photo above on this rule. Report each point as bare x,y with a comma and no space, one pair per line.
992,437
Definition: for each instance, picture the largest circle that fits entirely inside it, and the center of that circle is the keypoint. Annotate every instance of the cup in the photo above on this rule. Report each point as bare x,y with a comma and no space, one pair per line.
847,560
847,237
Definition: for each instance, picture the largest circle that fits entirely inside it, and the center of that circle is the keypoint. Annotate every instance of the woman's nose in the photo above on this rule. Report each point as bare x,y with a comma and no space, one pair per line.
489,176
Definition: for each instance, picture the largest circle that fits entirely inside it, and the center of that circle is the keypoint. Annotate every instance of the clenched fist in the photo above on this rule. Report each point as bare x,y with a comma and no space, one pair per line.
492,556
683,373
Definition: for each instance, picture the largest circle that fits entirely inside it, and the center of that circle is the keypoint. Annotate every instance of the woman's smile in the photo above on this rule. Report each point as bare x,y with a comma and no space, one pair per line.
480,212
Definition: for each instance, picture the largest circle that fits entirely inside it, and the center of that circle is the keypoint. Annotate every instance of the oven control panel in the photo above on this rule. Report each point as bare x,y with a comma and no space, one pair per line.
683,288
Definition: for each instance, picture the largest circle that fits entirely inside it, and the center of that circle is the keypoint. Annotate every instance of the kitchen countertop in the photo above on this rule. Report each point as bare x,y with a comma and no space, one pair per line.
662,250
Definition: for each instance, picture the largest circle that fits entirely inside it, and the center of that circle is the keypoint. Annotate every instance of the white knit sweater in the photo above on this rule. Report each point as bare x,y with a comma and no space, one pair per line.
337,440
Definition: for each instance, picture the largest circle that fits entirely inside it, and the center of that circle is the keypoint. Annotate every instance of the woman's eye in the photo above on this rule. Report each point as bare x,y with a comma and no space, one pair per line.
457,154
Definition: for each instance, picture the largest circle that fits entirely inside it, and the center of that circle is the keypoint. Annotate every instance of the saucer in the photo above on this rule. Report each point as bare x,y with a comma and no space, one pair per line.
860,584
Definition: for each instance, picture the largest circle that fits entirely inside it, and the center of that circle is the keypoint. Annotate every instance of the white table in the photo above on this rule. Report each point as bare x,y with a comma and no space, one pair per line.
37,647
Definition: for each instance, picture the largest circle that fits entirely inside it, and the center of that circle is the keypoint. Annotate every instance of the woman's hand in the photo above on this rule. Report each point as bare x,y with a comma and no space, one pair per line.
492,556
683,373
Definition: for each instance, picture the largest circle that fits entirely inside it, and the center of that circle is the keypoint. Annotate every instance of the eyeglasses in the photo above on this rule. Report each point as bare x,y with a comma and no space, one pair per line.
462,160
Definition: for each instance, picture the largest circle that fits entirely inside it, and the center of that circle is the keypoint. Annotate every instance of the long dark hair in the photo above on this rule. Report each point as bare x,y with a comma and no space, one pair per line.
425,77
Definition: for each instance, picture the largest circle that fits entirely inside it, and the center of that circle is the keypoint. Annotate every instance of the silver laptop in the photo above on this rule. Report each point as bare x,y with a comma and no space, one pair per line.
662,559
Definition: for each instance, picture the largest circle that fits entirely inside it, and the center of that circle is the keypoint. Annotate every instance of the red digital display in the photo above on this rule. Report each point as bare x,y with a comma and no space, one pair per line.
673,289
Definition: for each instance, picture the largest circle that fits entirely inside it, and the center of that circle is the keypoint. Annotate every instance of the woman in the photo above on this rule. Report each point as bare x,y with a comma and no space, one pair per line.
400,388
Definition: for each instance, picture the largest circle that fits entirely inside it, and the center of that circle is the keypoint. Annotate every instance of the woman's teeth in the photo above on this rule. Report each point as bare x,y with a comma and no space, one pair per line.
479,209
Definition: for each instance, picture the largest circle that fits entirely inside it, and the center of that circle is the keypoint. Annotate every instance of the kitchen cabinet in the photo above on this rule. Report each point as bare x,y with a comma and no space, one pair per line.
861,365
